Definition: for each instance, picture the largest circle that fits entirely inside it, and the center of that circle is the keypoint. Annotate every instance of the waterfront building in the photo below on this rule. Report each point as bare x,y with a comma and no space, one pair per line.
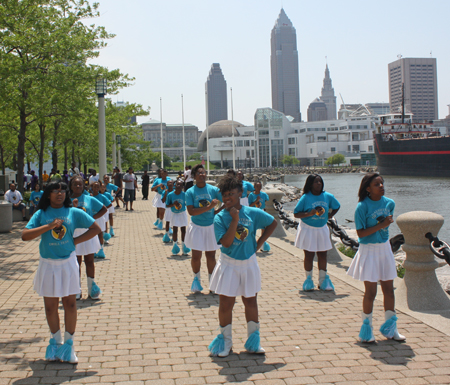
419,79
216,95
221,144
284,68
369,108
172,137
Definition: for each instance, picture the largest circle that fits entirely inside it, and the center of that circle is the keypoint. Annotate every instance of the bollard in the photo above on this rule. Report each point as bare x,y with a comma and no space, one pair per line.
282,178
6,215
420,290
264,179
275,194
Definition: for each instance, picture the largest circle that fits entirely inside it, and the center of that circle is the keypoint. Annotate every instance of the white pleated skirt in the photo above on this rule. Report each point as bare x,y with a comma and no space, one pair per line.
89,247
179,219
111,210
201,238
233,278
244,201
106,218
57,277
154,200
159,203
168,216
311,238
101,222
373,262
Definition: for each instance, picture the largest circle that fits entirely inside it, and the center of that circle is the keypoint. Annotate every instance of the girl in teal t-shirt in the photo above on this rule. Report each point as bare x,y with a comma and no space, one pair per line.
374,262
314,209
159,186
57,275
201,200
246,188
35,197
237,272
258,199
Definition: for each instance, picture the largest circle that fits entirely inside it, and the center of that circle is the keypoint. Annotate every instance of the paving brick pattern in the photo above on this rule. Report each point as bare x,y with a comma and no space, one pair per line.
149,329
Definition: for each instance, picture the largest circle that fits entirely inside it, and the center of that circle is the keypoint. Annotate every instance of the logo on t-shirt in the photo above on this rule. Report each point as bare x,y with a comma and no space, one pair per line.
319,210
59,232
14,197
82,208
37,199
241,232
178,205
258,204
203,203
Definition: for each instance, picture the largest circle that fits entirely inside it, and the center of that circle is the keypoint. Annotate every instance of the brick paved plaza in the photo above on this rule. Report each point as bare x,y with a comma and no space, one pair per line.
149,329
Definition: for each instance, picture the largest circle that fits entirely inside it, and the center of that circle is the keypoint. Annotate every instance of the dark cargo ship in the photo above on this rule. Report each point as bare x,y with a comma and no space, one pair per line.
403,147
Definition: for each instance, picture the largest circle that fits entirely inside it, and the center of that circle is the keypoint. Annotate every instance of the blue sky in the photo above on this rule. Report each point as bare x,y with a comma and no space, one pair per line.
169,46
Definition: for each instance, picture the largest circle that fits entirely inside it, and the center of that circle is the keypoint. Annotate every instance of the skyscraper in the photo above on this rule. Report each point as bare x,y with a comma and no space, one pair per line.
216,95
419,77
284,68
328,96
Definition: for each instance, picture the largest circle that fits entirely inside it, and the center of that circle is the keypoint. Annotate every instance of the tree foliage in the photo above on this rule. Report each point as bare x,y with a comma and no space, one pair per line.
335,159
290,160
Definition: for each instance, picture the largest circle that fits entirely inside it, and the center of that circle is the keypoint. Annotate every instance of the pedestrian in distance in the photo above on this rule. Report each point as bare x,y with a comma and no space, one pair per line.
237,272
313,235
374,262
258,199
58,275
145,184
176,203
86,250
131,188
188,179
118,181
201,201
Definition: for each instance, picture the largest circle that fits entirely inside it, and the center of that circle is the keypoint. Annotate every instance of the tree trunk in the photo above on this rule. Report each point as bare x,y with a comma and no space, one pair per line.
41,153
21,148
2,160
65,157
56,124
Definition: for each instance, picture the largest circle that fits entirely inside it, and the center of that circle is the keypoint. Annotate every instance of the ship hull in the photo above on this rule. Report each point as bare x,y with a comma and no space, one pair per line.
413,157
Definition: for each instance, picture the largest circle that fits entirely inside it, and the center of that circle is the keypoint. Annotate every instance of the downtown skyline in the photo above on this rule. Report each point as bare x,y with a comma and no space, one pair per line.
169,48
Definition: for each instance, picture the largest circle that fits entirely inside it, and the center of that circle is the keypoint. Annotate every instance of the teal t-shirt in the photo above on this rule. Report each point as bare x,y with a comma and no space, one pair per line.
246,187
105,201
108,196
86,192
35,197
159,181
88,204
201,197
111,187
244,242
178,199
263,198
310,201
369,213
58,243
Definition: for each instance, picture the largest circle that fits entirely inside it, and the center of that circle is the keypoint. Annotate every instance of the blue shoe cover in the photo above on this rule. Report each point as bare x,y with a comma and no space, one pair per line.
253,342
308,285
52,348
111,232
106,236
327,284
217,345
100,254
366,334
159,226
166,238
95,291
389,327
196,287
266,247
186,250
64,352
170,231
156,223
175,249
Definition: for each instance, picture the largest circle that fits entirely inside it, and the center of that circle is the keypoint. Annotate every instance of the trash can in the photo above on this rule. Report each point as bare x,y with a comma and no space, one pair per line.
6,217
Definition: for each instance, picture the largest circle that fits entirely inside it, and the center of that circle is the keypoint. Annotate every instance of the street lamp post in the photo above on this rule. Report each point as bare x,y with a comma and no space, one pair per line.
100,90
119,156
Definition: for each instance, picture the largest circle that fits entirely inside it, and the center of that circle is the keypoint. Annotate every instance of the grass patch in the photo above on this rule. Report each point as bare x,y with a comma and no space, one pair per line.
400,271
348,251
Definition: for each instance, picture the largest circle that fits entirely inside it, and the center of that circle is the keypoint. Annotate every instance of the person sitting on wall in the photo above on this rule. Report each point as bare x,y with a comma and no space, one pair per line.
15,197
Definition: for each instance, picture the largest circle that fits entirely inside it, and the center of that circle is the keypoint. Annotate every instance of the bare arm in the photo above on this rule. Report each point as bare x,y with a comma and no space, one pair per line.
266,234
200,210
305,214
30,234
333,213
100,213
372,230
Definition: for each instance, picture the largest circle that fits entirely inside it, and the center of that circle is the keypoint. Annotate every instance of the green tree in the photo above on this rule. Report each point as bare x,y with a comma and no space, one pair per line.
290,160
335,159
196,156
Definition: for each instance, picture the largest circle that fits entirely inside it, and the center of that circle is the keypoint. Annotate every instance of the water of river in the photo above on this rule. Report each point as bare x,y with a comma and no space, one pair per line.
409,194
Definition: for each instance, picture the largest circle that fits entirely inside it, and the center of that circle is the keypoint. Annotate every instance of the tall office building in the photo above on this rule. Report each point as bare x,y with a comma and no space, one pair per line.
216,95
328,96
284,68
419,77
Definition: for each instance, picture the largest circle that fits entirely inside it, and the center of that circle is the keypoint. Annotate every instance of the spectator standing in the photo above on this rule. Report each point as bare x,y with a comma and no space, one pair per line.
130,188
188,180
34,180
145,184
118,179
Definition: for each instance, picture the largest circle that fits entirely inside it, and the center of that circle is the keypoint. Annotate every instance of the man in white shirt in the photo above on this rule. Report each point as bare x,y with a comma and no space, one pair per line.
130,188
74,171
93,178
188,180
15,197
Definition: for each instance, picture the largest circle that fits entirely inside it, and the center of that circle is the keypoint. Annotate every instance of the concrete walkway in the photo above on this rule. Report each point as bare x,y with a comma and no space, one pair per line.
148,328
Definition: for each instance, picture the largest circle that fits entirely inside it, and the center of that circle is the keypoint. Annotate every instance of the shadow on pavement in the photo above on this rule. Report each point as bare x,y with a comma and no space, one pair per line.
202,300
321,296
389,352
41,368
239,367
178,257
